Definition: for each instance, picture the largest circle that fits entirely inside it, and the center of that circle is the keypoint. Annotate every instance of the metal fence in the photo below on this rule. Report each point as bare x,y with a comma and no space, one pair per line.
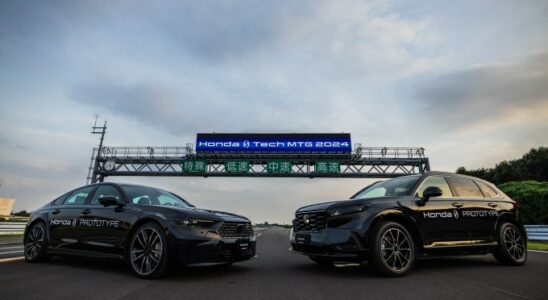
12,227
534,232
537,232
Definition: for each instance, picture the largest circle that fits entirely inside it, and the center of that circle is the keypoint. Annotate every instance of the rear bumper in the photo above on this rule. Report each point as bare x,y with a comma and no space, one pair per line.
339,244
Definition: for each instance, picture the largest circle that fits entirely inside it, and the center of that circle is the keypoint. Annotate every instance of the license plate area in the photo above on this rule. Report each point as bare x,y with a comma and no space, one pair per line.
302,239
244,245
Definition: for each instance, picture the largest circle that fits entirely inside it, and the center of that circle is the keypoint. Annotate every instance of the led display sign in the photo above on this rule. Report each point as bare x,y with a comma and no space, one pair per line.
277,142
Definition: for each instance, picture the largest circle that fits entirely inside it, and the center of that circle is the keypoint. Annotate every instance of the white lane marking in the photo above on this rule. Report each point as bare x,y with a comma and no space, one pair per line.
13,247
2,260
11,252
538,251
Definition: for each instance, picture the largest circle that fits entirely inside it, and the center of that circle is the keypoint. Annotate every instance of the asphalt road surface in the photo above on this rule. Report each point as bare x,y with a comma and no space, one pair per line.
277,274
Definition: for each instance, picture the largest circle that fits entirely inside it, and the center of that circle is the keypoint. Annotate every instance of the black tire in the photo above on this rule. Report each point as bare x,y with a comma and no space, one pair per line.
512,245
321,260
148,254
392,249
36,243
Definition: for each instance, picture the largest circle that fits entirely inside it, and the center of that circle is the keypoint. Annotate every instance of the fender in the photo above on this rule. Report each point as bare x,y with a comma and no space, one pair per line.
510,217
396,215
42,217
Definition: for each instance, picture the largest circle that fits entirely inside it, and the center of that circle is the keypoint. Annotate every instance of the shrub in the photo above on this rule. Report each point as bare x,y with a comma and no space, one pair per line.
532,198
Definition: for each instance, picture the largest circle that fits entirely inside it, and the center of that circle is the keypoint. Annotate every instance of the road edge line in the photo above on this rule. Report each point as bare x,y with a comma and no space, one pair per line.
538,251
3,260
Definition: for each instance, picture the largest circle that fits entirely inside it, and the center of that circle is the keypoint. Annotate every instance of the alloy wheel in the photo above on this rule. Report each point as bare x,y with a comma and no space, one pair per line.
396,249
146,251
514,243
34,241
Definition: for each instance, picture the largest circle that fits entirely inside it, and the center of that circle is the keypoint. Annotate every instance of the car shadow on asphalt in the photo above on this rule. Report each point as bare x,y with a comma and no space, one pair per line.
456,263
340,271
422,265
122,268
95,264
307,268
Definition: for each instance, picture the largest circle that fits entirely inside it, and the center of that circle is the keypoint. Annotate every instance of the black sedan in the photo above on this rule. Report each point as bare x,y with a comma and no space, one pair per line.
150,228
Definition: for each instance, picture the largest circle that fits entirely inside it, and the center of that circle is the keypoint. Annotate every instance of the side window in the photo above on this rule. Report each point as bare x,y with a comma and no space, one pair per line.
488,191
465,187
59,199
167,200
79,196
437,181
105,190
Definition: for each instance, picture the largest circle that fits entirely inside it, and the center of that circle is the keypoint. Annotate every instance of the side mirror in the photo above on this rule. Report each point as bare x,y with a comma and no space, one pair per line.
431,191
109,201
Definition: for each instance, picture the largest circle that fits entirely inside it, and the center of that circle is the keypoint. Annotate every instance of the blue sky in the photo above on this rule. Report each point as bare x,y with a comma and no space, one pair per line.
467,80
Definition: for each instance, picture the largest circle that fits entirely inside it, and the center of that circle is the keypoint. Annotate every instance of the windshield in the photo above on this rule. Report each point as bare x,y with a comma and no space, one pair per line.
390,188
150,196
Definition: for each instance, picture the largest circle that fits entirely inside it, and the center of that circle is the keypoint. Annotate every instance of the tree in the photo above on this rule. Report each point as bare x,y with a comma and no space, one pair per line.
532,166
22,213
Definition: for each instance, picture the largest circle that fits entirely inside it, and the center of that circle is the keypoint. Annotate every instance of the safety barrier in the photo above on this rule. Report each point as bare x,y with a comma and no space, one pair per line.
534,232
537,232
12,227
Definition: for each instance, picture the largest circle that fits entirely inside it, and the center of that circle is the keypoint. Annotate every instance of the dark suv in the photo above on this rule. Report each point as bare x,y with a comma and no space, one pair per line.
393,222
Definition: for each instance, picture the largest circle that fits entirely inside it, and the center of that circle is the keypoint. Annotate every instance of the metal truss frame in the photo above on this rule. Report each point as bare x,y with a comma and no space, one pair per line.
363,162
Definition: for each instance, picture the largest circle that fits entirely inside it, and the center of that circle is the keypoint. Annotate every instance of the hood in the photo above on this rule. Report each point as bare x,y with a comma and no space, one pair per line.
225,216
319,206
198,213
332,204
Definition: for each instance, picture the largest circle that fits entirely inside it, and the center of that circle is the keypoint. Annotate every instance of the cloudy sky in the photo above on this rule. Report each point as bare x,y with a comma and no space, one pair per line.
467,80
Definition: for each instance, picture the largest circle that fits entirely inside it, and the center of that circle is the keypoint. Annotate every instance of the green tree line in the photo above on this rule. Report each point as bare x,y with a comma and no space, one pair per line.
531,166
524,180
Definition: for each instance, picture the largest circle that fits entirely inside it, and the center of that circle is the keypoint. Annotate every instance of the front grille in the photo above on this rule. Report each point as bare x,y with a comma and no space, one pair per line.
309,221
236,229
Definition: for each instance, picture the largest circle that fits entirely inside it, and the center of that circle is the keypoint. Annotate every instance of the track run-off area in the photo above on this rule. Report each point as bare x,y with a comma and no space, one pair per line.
276,273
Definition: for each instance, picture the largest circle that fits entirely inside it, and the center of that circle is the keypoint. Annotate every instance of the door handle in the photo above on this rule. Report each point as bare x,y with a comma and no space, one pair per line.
86,211
457,204
55,211
492,204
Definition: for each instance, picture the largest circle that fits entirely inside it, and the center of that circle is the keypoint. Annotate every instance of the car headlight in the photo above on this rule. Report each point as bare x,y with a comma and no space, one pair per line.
197,223
345,210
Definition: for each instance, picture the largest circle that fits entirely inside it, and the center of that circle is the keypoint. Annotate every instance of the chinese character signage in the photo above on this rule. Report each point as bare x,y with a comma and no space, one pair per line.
277,166
194,166
327,167
237,166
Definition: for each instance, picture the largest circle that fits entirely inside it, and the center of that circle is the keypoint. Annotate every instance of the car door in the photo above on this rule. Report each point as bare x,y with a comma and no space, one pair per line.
478,212
493,205
439,218
104,228
64,218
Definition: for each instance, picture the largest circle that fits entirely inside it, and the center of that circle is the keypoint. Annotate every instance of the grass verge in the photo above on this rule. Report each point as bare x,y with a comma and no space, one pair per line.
543,246
6,236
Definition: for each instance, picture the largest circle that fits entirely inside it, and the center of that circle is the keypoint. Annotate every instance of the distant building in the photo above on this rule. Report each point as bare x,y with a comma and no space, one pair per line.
6,204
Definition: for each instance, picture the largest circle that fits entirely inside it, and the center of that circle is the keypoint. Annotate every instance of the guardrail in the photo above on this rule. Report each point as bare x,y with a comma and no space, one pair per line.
534,232
537,232
12,227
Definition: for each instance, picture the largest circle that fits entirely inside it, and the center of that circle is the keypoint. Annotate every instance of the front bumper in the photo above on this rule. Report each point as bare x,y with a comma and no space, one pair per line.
200,246
221,251
336,243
